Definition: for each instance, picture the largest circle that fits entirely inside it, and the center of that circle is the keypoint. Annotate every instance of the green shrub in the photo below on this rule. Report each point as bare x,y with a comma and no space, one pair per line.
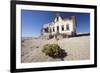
52,50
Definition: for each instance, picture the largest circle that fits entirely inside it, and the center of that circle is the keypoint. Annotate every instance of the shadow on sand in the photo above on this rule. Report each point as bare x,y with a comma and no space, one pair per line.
79,35
61,55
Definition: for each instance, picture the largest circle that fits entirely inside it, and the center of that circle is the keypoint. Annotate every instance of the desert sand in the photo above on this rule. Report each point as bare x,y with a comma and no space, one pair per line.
77,48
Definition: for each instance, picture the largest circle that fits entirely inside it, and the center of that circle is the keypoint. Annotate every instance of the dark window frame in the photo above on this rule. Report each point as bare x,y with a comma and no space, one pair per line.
62,27
67,27
53,29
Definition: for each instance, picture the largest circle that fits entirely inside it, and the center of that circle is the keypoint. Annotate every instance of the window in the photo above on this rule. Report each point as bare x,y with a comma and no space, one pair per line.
50,30
57,18
57,28
62,27
53,29
46,30
67,27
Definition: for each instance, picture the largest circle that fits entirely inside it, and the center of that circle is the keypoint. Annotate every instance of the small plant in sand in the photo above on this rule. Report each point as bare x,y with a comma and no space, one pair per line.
52,50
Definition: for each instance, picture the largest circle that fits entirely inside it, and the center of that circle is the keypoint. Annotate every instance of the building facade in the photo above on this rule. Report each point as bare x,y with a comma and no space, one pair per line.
60,28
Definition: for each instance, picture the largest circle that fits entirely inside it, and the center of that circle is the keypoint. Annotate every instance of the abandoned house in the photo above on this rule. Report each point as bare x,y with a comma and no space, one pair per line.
59,28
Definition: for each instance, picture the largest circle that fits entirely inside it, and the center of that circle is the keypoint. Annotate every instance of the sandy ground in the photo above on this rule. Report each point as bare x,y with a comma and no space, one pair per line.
77,48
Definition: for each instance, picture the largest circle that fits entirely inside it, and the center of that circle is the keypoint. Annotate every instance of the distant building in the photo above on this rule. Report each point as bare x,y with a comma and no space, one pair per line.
60,28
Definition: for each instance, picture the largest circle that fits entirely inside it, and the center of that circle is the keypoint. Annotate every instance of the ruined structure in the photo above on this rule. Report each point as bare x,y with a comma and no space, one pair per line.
59,28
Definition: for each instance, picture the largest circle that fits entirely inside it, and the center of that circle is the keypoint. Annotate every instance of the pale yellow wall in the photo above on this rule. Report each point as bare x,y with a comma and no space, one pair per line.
62,22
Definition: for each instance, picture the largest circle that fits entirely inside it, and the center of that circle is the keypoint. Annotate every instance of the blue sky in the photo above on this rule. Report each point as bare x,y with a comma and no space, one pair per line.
32,21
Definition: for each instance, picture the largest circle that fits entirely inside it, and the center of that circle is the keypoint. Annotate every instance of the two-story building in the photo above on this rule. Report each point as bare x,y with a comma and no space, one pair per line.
60,28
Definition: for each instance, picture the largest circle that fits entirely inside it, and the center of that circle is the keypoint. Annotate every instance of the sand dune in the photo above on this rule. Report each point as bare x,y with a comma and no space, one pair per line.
77,48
